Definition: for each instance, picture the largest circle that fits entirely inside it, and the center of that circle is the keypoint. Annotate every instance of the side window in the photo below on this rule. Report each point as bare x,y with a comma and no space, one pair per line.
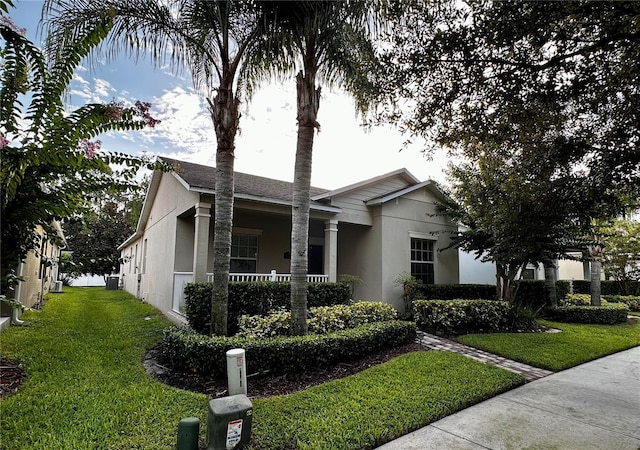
422,260
244,253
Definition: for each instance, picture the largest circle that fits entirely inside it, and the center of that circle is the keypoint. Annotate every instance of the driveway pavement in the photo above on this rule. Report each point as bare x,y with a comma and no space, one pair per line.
592,406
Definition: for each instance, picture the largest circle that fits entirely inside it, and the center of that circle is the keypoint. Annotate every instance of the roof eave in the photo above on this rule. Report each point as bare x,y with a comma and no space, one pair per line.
404,173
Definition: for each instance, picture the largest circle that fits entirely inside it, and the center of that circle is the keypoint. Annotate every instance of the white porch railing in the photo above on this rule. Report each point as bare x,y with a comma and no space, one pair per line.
273,276
180,279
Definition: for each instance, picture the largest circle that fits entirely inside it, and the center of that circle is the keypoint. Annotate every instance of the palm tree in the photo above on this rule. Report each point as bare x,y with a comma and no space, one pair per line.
315,39
211,39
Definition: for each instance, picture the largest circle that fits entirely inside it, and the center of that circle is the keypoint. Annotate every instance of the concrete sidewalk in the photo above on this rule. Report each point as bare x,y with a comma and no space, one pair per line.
592,406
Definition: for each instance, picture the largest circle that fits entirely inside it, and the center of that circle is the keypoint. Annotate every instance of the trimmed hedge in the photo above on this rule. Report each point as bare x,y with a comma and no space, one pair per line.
563,287
255,298
453,316
578,300
607,287
457,291
632,302
322,320
190,352
531,293
608,314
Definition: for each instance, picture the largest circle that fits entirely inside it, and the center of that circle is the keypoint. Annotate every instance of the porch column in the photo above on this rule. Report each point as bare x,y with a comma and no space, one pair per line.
586,266
201,242
331,249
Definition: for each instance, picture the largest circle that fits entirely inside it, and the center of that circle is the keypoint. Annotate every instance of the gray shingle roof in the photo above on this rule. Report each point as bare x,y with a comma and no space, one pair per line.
198,176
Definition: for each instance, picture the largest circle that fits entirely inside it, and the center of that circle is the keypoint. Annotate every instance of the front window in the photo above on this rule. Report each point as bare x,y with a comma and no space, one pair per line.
244,253
529,274
422,260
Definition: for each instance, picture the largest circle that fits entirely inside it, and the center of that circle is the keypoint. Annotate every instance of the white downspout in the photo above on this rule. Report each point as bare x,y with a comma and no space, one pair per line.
15,312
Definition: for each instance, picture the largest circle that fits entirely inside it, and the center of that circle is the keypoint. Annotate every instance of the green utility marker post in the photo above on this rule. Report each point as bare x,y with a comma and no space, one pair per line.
188,432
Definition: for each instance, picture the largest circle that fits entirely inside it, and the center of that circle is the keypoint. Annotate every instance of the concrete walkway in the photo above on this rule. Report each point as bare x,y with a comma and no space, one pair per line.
592,406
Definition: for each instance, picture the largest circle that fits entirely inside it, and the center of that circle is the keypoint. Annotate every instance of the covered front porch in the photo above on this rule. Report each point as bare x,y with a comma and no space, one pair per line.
181,279
260,248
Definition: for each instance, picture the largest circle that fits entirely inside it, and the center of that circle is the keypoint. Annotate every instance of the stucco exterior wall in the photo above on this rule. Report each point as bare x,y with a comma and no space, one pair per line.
153,281
39,278
406,217
359,254
274,239
354,209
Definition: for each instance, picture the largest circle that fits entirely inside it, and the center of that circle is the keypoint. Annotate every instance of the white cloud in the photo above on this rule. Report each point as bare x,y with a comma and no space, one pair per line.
102,90
344,152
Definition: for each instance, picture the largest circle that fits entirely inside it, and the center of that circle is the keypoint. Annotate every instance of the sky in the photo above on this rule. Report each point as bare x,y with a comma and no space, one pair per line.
343,152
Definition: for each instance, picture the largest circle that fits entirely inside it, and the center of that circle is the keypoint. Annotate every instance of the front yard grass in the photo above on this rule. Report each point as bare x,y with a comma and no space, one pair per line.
375,406
86,387
576,344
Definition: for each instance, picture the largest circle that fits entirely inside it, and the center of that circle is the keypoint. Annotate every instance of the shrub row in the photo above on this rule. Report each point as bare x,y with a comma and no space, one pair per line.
187,351
608,314
323,319
455,316
607,287
255,298
531,293
457,291
632,302
577,300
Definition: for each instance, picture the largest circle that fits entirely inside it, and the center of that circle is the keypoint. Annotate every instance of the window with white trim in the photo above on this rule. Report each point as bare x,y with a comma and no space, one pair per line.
422,260
244,253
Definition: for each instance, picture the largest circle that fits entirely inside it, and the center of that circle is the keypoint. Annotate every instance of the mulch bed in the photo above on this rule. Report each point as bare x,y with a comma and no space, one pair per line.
11,376
267,386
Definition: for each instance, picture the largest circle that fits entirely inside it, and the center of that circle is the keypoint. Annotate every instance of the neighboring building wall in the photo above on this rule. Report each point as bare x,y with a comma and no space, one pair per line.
474,271
39,276
88,280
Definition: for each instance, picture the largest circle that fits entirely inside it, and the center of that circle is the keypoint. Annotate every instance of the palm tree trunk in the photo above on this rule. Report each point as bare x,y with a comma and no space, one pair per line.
596,271
308,98
595,252
550,284
224,111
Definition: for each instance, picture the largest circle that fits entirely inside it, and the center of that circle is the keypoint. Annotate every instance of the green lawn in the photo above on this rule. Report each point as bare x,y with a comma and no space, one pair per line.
86,387
379,404
576,344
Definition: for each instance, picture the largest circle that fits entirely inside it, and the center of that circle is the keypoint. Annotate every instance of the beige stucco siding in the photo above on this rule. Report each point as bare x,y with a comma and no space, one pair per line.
352,203
407,217
273,242
169,245
39,278
359,255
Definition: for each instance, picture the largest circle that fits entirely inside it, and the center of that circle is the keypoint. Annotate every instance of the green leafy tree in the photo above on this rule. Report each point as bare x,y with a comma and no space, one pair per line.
493,71
621,256
51,166
554,81
517,211
94,239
